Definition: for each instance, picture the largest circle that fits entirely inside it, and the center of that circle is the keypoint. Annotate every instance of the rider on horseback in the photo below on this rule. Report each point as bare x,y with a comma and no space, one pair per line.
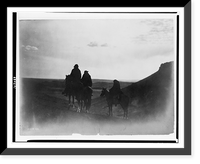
115,92
87,89
86,79
76,74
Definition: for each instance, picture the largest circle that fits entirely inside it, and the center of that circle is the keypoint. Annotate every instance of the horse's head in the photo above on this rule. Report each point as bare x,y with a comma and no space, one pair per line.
103,92
67,77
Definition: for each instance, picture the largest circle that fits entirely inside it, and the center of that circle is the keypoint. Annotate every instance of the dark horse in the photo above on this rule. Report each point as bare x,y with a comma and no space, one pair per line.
68,91
86,95
124,101
77,91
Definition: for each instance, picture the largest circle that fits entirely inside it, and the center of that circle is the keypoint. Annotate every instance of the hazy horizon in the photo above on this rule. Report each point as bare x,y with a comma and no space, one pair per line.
123,49
102,80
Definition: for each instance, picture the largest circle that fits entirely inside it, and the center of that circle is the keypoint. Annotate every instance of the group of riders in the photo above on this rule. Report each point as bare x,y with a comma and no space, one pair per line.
86,80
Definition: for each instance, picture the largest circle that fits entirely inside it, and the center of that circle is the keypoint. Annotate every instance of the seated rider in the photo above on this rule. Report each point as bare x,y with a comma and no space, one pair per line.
76,74
86,79
115,92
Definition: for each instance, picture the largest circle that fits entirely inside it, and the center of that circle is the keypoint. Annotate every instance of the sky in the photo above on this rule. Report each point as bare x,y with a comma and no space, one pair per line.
123,49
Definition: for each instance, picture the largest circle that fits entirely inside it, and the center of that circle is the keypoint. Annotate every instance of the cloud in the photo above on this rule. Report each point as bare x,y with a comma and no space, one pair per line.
93,44
29,48
104,45
161,31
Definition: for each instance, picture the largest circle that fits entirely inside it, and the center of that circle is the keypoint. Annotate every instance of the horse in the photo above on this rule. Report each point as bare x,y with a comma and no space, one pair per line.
68,91
83,96
124,102
76,90
86,97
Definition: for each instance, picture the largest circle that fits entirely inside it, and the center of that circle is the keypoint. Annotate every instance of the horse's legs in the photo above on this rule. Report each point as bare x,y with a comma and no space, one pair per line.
81,103
110,110
87,104
69,99
79,106
73,99
124,105
125,113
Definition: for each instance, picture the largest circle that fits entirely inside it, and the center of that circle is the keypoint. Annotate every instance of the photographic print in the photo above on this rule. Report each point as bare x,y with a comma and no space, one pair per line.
85,79
97,76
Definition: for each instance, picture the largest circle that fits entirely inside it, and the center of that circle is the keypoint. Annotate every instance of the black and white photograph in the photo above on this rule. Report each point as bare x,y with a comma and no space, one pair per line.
99,74
96,81
101,84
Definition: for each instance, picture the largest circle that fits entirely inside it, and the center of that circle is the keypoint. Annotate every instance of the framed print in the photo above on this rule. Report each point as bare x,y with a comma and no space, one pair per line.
98,81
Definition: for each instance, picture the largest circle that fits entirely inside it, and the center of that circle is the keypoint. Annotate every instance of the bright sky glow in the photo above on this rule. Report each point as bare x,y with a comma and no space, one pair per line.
123,49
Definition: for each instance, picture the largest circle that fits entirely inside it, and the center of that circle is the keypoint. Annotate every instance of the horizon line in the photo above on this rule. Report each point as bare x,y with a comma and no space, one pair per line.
47,78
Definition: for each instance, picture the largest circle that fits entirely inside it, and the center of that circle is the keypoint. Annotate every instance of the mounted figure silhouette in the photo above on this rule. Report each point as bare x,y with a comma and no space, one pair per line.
116,96
87,90
115,92
75,88
76,73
